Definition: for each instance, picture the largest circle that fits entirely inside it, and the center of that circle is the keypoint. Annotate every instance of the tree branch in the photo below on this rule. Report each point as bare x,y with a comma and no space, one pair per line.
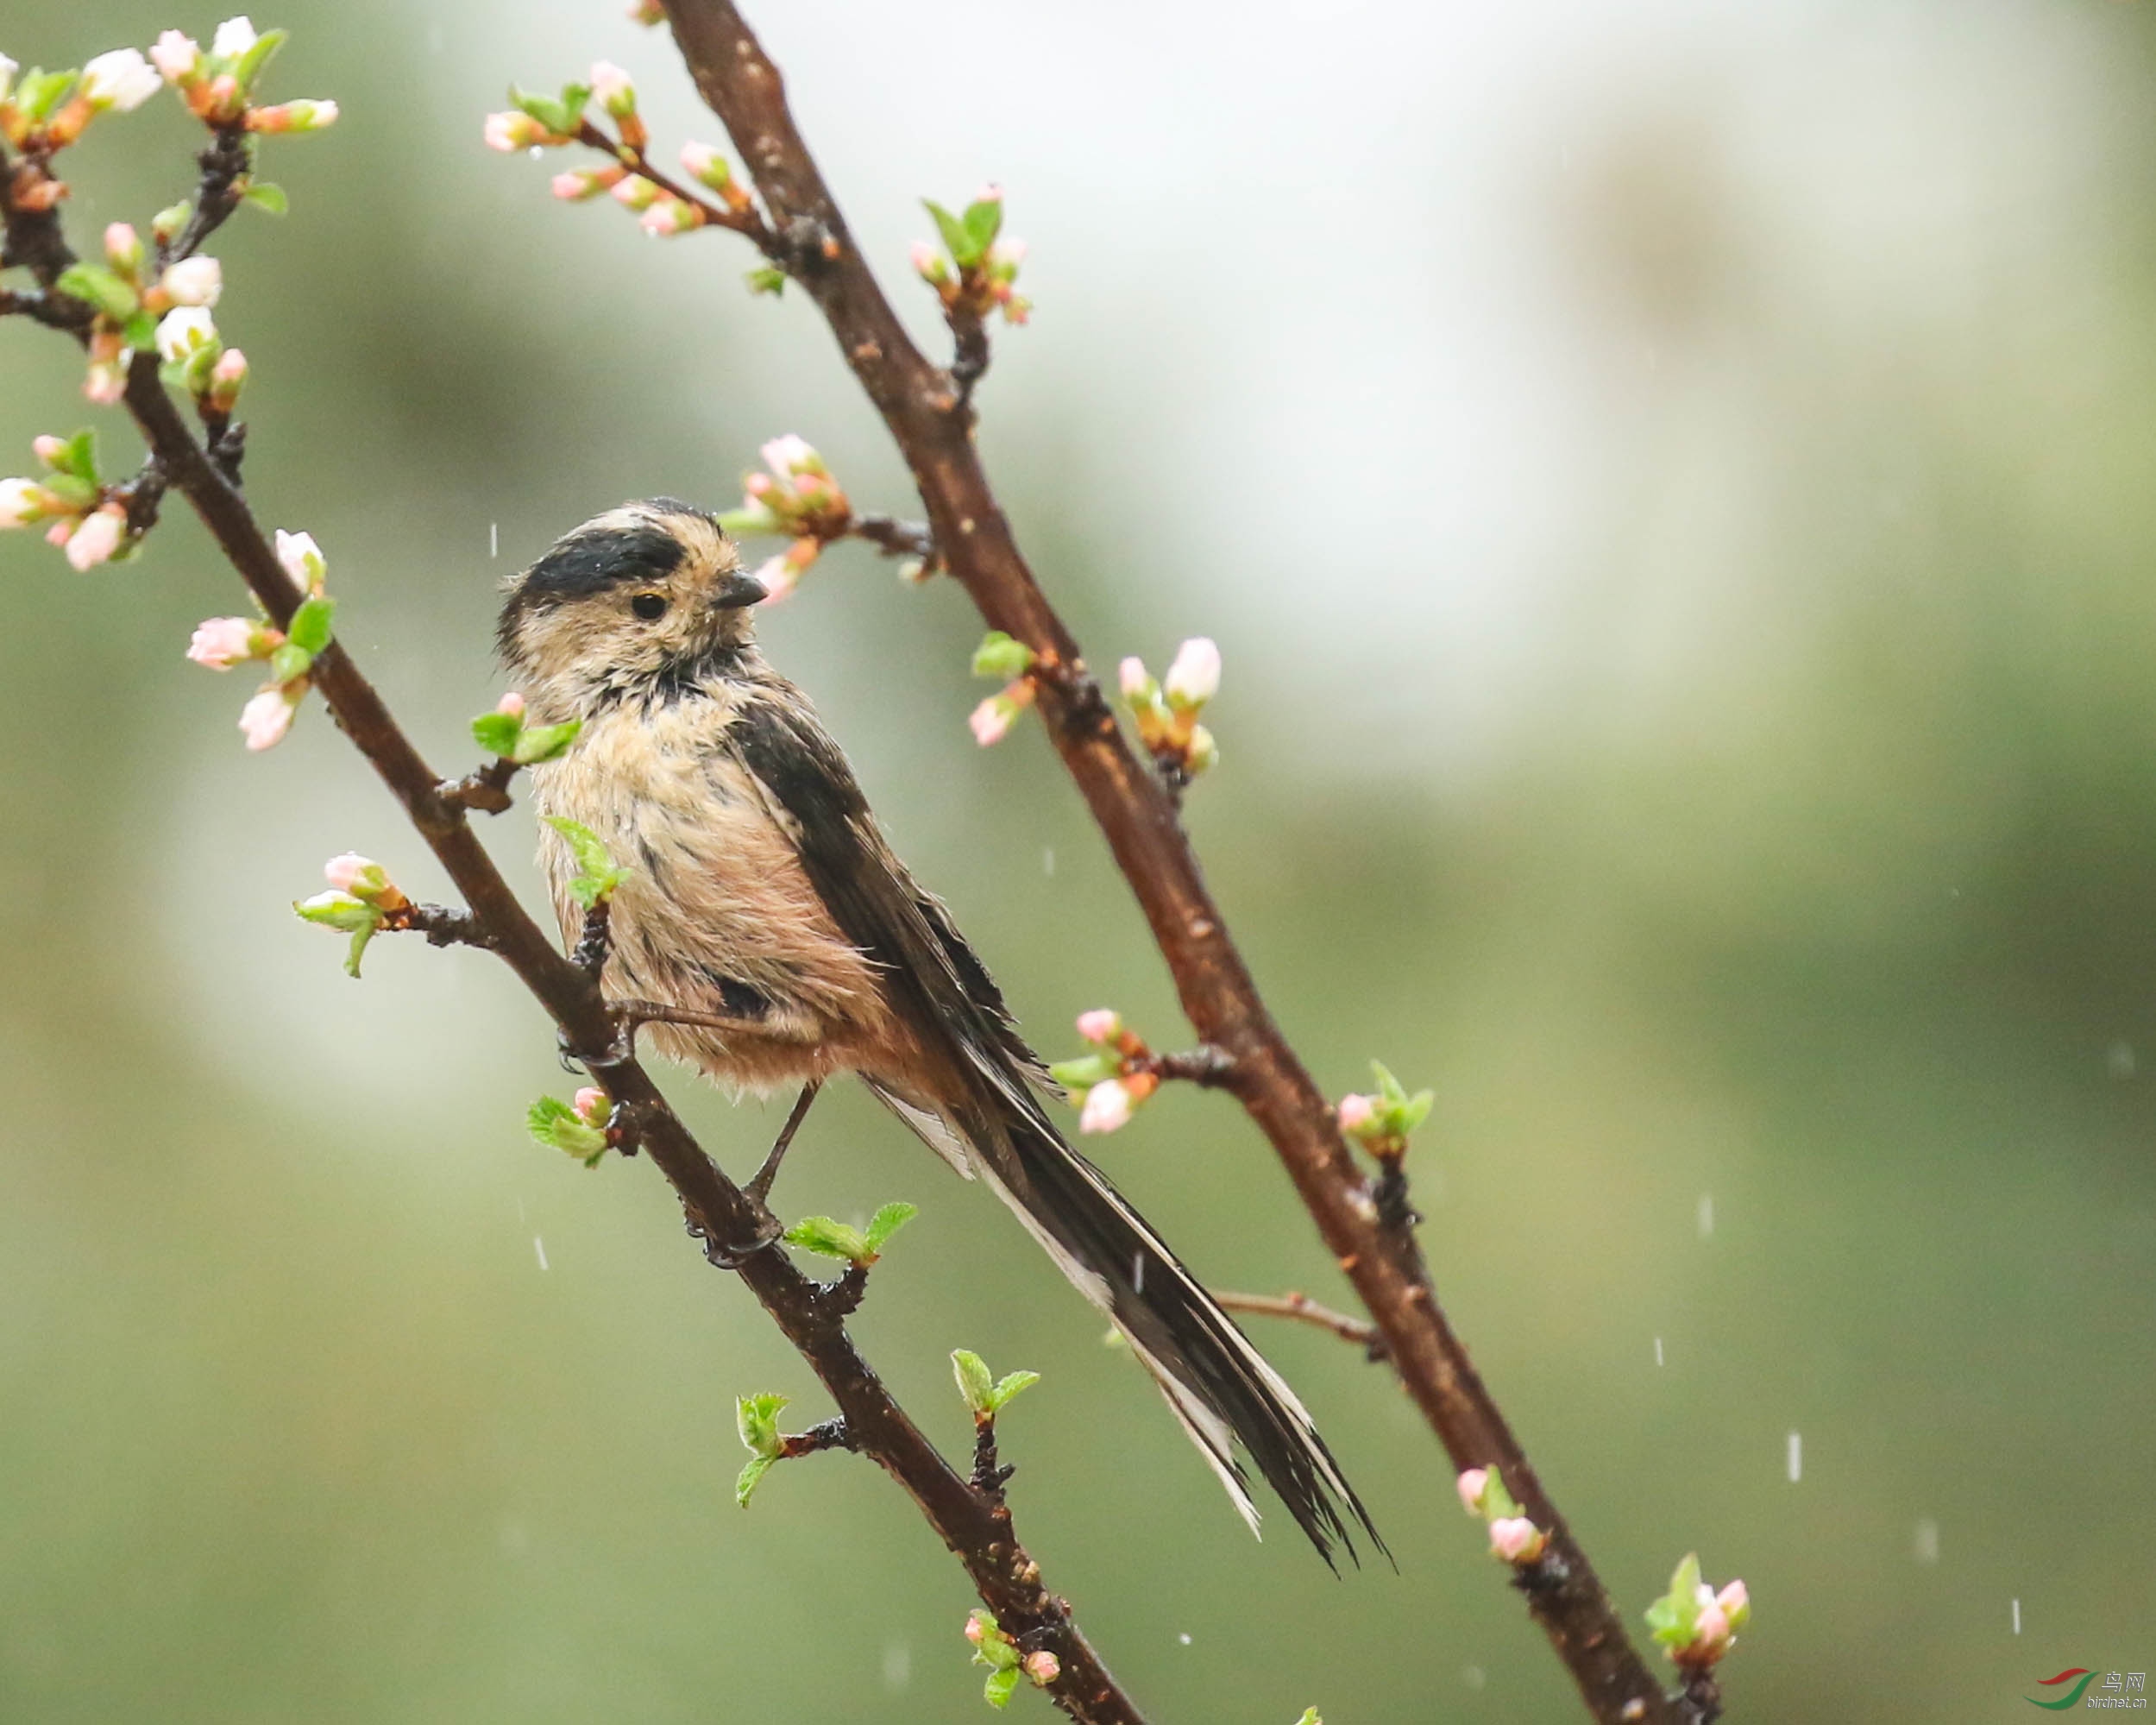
1137,815
1304,1310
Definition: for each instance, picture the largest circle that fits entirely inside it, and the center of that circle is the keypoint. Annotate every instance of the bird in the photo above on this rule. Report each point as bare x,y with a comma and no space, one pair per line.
768,935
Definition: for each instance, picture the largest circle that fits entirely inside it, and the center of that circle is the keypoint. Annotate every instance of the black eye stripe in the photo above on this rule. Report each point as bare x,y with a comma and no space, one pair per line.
589,563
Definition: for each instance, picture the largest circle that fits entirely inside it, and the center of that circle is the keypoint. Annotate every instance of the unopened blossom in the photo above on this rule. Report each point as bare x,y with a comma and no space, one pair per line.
301,558
235,37
1103,1025
1108,1107
353,873
178,56
1516,1539
636,192
121,80
193,281
781,574
1133,677
1473,1484
612,86
24,500
515,130
930,264
646,12
991,721
1194,678
579,184
184,332
96,538
124,248
222,642
8,70
511,703
105,381
670,216
227,377
1355,1113
1043,1667
593,1105
313,115
1710,1637
267,716
1735,1602
49,449
975,1629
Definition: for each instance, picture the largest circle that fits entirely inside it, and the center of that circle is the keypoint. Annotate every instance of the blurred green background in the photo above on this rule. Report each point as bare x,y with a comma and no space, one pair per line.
1672,486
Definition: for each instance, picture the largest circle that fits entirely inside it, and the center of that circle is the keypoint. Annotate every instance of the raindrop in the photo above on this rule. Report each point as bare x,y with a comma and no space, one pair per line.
1185,1638
2118,1059
1475,1677
1657,1350
1138,1279
2017,1616
1797,1457
539,1246
535,153
1707,1216
493,538
1048,859
898,1665
1928,1541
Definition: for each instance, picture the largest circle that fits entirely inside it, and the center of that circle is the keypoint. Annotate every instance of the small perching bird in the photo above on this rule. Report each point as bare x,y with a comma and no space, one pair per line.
770,938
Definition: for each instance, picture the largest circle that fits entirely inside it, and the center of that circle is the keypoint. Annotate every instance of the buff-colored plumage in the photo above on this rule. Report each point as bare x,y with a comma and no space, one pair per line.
762,901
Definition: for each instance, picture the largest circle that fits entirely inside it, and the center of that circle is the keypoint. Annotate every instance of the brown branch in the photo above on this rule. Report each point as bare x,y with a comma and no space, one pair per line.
1304,1310
1137,815
976,1531
749,222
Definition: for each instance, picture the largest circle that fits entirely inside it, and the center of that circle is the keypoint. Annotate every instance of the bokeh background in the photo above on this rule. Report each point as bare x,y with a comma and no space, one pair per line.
1672,483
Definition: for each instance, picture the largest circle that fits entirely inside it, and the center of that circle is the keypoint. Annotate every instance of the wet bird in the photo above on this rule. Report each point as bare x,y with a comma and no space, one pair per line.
771,939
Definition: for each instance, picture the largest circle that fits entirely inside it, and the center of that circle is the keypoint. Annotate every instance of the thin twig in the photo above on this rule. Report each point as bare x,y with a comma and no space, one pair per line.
1136,813
1304,1310
1007,1581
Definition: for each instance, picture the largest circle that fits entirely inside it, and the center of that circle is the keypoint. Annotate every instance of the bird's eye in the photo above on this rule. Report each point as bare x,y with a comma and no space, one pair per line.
649,605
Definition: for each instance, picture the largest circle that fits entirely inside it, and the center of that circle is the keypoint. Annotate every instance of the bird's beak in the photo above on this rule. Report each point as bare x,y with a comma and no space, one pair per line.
737,589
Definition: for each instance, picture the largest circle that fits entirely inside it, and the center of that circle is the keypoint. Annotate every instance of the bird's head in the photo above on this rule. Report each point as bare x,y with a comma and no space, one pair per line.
640,593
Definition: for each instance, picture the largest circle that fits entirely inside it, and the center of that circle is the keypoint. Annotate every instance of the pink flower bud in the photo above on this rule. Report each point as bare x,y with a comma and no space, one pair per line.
264,719
511,703
1356,1112
514,130
1043,1667
706,166
350,873
974,1629
1194,678
646,12
990,194
1103,1025
177,56
592,1102
293,116
49,450
1473,1484
227,377
1710,1637
991,721
1006,255
928,263
790,454
106,382
194,281
1108,1108
1735,1603
24,500
579,184
121,80
235,37
123,248
57,533
95,541
613,87
670,216
634,191
223,642
1516,1539
302,558
1134,677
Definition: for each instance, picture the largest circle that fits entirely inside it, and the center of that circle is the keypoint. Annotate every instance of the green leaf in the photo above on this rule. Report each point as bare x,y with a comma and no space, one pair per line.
1309,1717
771,279
547,110
78,458
975,1383
997,1691
1389,1088
289,661
97,285
1010,1388
339,910
828,1239
597,876
497,732
1674,1617
140,332
886,1222
38,92
264,196
1417,1110
1083,1072
1497,1504
1001,657
249,66
956,239
983,220
545,742
757,1418
555,1123
310,626
750,1476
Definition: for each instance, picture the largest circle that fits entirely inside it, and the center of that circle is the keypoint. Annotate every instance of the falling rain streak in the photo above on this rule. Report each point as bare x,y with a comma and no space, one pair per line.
1707,1216
539,1246
1796,1458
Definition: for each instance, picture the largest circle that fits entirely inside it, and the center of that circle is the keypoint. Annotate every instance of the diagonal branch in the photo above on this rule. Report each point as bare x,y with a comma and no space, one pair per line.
931,425
976,1526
